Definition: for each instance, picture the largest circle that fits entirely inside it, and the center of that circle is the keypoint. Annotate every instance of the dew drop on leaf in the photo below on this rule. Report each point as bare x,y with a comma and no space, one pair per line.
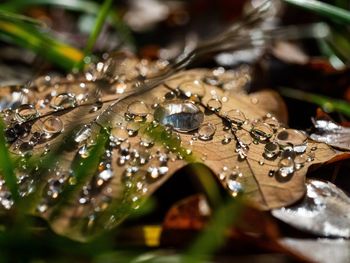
182,116
137,111
286,166
235,117
206,131
25,112
51,126
214,105
119,134
271,150
83,134
261,131
63,101
192,88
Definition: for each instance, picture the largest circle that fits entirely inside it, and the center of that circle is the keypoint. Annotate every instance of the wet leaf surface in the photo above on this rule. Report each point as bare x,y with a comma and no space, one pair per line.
323,212
197,116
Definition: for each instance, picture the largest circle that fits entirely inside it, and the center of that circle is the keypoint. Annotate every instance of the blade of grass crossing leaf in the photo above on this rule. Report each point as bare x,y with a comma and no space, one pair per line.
328,104
6,165
332,12
82,172
100,20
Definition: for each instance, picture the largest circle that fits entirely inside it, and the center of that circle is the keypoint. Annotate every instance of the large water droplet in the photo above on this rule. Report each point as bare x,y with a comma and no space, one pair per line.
286,167
51,126
63,101
26,112
137,111
214,105
261,131
206,131
182,116
192,88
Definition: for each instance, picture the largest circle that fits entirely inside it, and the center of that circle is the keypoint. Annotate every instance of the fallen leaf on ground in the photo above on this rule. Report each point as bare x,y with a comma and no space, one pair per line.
323,212
194,116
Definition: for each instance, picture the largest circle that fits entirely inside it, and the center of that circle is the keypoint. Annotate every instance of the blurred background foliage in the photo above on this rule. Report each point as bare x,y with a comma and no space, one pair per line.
40,36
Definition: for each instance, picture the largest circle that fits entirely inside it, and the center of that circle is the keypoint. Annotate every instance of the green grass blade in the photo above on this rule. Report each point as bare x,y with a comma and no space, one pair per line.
12,17
30,37
6,165
332,12
83,170
87,7
73,5
214,236
327,103
100,20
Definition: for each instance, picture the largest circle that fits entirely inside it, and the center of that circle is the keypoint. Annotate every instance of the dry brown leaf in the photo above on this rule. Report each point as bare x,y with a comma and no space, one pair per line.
141,154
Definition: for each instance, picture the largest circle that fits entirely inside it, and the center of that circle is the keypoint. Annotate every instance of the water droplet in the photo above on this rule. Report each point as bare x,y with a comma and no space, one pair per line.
156,172
83,134
26,112
170,95
311,156
227,139
137,111
146,141
97,105
271,150
299,161
243,137
84,151
119,134
192,88
206,131
254,100
296,138
182,116
6,199
212,80
63,101
272,121
286,167
52,125
132,127
105,175
120,87
261,131
124,148
236,118
214,105
232,184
